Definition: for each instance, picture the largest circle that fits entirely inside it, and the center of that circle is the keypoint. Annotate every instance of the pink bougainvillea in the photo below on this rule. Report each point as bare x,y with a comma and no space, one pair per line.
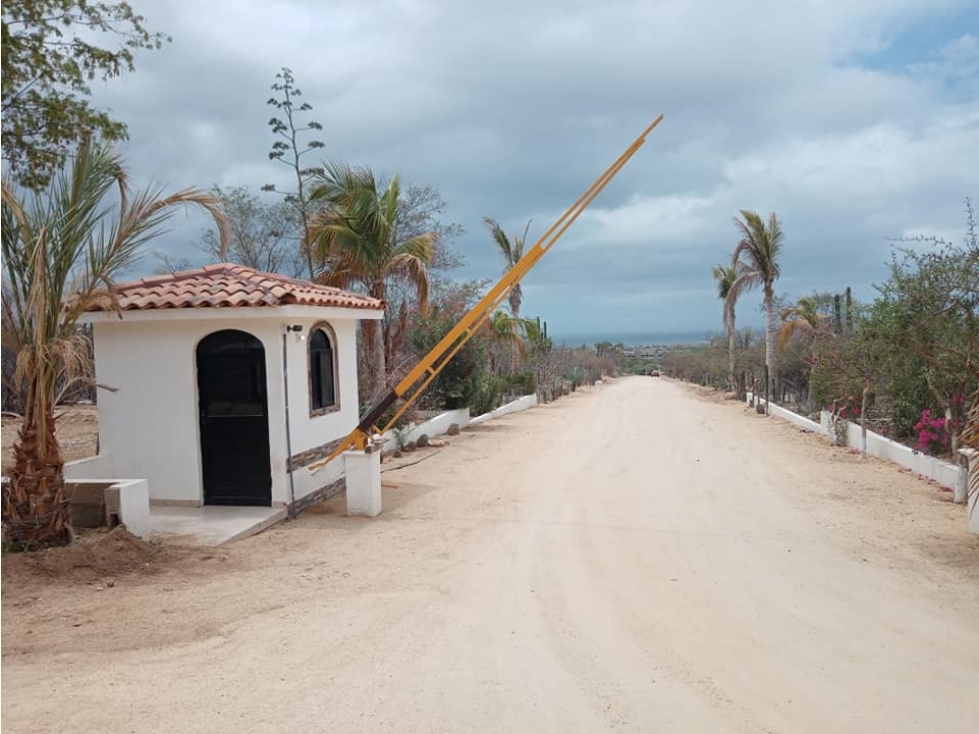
932,433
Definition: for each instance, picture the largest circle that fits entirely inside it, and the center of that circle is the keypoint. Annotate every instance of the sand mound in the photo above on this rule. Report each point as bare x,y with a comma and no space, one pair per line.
97,554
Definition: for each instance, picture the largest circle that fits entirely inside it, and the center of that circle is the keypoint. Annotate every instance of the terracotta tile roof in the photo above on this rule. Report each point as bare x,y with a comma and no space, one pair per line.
230,286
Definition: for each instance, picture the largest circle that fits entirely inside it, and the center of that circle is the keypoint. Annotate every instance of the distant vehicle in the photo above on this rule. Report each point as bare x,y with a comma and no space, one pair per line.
654,373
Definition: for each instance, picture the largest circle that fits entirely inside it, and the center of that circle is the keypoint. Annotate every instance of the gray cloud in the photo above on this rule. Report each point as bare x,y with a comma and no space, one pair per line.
512,109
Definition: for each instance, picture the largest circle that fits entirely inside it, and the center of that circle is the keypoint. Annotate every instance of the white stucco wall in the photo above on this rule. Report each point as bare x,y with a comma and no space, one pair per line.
149,427
944,472
527,401
787,415
434,426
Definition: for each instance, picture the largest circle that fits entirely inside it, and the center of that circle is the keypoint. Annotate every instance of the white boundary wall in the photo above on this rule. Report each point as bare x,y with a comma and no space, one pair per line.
527,401
432,427
944,472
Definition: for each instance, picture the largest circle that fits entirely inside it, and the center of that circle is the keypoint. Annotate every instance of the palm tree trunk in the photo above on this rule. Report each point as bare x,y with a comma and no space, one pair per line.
811,397
730,357
770,329
516,295
378,347
35,506
380,363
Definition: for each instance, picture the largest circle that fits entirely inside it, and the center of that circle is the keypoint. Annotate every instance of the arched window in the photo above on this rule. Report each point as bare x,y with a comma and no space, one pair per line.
322,369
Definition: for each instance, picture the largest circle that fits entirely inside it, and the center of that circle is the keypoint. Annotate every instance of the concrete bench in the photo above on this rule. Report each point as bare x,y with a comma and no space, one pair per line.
108,502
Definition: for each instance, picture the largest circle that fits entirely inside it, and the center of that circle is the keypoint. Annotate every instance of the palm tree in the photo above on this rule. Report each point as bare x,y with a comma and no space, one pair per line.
506,333
724,275
357,236
805,319
540,346
756,264
512,251
62,248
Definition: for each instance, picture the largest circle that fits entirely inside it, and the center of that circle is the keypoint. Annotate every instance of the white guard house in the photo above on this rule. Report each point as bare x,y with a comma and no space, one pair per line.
225,384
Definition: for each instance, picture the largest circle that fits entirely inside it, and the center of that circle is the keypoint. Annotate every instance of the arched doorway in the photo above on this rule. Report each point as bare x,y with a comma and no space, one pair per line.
233,402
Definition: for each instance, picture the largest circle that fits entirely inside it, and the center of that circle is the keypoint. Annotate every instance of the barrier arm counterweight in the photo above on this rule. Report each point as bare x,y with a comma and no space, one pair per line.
414,383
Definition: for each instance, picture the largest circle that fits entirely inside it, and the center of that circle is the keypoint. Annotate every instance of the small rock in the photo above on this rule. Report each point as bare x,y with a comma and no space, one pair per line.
453,430
410,446
423,441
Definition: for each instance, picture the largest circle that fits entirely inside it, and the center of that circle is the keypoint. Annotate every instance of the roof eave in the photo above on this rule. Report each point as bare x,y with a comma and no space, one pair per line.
232,313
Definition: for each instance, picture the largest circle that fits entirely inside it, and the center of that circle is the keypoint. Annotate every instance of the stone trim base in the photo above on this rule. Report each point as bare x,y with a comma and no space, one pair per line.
323,493
317,453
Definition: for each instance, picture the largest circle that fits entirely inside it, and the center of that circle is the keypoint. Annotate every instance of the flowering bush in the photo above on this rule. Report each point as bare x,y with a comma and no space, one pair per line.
841,411
847,409
932,433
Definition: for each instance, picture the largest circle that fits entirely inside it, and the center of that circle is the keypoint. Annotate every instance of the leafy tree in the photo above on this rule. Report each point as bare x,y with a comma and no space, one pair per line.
357,236
460,381
860,364
932,299
418,213
262,236
756,260
50,56
289,149
62,249
724,277
168,265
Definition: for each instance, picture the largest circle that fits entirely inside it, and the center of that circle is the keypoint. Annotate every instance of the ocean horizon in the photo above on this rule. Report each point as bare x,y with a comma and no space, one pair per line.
652,338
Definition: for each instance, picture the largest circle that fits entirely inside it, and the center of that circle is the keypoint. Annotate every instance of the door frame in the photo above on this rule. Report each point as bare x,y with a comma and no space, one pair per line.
199,422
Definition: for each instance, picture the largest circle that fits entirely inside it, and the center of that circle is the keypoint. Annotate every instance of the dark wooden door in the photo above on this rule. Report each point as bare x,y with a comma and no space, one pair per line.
232,390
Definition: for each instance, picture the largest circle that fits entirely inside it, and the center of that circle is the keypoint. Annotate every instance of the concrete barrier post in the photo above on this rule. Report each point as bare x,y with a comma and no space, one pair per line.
972,456
363,477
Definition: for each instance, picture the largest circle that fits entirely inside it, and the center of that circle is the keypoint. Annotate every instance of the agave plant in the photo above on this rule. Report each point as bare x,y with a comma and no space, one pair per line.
61,250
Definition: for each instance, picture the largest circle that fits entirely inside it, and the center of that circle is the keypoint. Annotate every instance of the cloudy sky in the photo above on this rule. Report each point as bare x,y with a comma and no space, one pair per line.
855,120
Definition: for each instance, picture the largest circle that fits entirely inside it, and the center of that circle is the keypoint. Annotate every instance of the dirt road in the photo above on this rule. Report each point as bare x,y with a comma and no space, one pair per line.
633,557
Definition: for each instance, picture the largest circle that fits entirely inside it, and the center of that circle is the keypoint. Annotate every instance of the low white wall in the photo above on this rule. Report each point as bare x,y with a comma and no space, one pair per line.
134,505
94,467
432,427
527,401
945,473
794,418
307,481
134,494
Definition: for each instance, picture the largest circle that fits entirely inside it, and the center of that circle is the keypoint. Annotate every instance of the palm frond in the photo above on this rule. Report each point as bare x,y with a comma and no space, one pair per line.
500,238
415,270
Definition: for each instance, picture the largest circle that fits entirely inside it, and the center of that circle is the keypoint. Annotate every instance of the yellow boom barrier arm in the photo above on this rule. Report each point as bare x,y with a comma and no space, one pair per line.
415,382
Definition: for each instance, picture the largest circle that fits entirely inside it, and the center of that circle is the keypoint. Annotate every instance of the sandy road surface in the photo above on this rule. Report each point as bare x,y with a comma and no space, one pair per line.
618,560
